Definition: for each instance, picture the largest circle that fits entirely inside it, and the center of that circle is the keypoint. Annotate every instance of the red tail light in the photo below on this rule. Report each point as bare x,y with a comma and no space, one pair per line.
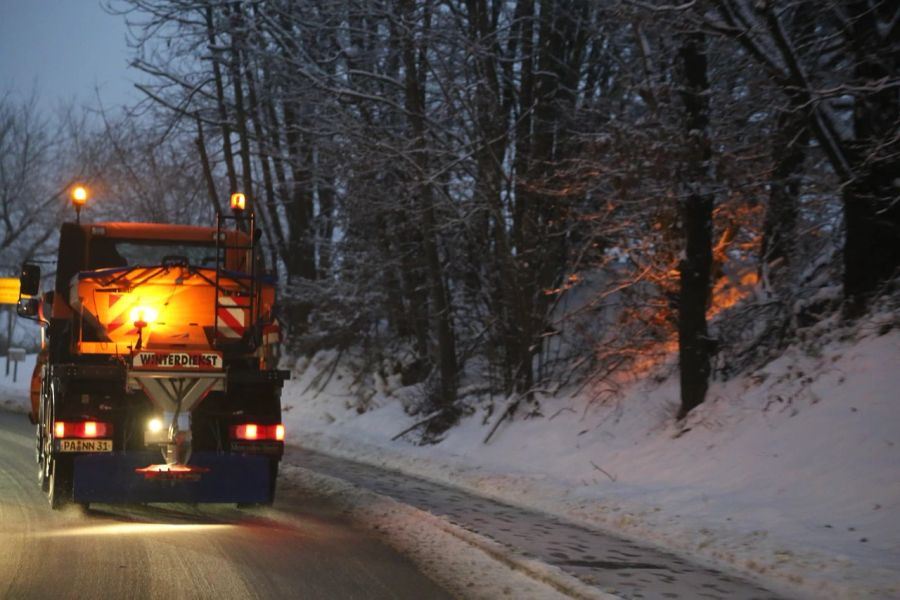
254,432
81,429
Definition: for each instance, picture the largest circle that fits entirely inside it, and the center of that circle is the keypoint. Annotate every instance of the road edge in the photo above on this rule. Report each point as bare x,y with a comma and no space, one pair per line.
390,518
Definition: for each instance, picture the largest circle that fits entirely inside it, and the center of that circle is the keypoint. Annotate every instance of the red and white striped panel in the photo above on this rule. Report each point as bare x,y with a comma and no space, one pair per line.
232,316
118,312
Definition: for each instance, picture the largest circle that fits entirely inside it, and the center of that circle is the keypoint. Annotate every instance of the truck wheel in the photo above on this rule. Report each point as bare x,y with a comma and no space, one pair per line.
59,490
44,447
45,441
44,473
41,456
38,441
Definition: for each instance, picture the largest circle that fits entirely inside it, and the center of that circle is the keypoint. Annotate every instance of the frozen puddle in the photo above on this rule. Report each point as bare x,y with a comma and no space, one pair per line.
610,564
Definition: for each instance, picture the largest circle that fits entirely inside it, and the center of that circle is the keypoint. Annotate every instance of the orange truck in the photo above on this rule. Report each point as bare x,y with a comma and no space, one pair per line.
156,380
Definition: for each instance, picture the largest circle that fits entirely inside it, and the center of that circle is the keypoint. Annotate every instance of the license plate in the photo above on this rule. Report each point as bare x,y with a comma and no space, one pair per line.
85,445
257,447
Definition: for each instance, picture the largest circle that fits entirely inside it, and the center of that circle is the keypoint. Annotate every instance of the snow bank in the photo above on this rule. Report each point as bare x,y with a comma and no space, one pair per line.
787,474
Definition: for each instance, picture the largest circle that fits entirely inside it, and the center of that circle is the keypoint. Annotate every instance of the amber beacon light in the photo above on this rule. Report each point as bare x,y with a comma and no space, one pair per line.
79,198
238,201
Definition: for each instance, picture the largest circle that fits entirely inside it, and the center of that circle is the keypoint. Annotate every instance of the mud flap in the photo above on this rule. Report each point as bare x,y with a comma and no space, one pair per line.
111,478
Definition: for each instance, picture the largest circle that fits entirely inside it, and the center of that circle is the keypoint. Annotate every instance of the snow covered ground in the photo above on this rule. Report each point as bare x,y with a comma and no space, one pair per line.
788,474
14,393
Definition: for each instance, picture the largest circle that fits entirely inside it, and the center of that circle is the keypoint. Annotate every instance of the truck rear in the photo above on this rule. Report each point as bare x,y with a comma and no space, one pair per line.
156,378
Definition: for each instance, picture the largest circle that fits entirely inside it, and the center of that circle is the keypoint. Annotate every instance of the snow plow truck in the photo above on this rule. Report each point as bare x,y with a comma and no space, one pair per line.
156,379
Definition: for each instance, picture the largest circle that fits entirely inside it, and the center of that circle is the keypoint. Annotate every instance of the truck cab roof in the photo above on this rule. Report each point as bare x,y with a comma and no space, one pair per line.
156,231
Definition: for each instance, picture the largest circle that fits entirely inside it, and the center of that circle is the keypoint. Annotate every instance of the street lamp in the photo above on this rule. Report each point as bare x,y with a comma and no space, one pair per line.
79,197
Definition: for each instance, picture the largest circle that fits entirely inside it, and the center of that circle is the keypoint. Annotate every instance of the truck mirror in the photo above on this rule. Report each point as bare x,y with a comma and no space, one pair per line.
28,307
30,279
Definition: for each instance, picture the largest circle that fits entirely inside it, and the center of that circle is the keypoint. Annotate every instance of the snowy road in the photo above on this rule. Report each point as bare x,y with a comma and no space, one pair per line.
301,549
609,564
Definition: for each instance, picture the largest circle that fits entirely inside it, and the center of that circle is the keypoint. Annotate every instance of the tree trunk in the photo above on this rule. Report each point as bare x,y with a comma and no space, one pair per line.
325,226
779,226
518,324
268,208
221,102
414,83
693,343
207,168
872,197
236,67
789,148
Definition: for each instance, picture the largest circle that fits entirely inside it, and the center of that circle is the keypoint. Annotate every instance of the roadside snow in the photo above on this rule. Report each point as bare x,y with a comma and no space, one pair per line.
462,563
788,474
14,394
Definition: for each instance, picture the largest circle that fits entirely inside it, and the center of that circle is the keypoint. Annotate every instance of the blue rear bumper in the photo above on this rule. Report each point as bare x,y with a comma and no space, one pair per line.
111,478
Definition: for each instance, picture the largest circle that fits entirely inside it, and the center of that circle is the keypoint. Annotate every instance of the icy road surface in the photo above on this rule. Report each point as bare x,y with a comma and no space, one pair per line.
178,551
609,564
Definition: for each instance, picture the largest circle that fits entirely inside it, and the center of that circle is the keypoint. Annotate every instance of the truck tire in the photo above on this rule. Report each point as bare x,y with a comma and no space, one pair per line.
38,440
41,456
44,438
44,473
44,441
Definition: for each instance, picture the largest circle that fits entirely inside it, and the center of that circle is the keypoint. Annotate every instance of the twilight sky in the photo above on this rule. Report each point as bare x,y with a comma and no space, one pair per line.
64,48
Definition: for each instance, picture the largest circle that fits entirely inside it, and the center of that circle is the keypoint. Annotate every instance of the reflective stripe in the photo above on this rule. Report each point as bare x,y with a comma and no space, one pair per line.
231,318
119,316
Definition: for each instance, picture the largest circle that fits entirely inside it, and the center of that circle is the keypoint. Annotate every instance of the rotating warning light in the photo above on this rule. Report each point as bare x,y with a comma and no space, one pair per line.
142,316
79,195
238,201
